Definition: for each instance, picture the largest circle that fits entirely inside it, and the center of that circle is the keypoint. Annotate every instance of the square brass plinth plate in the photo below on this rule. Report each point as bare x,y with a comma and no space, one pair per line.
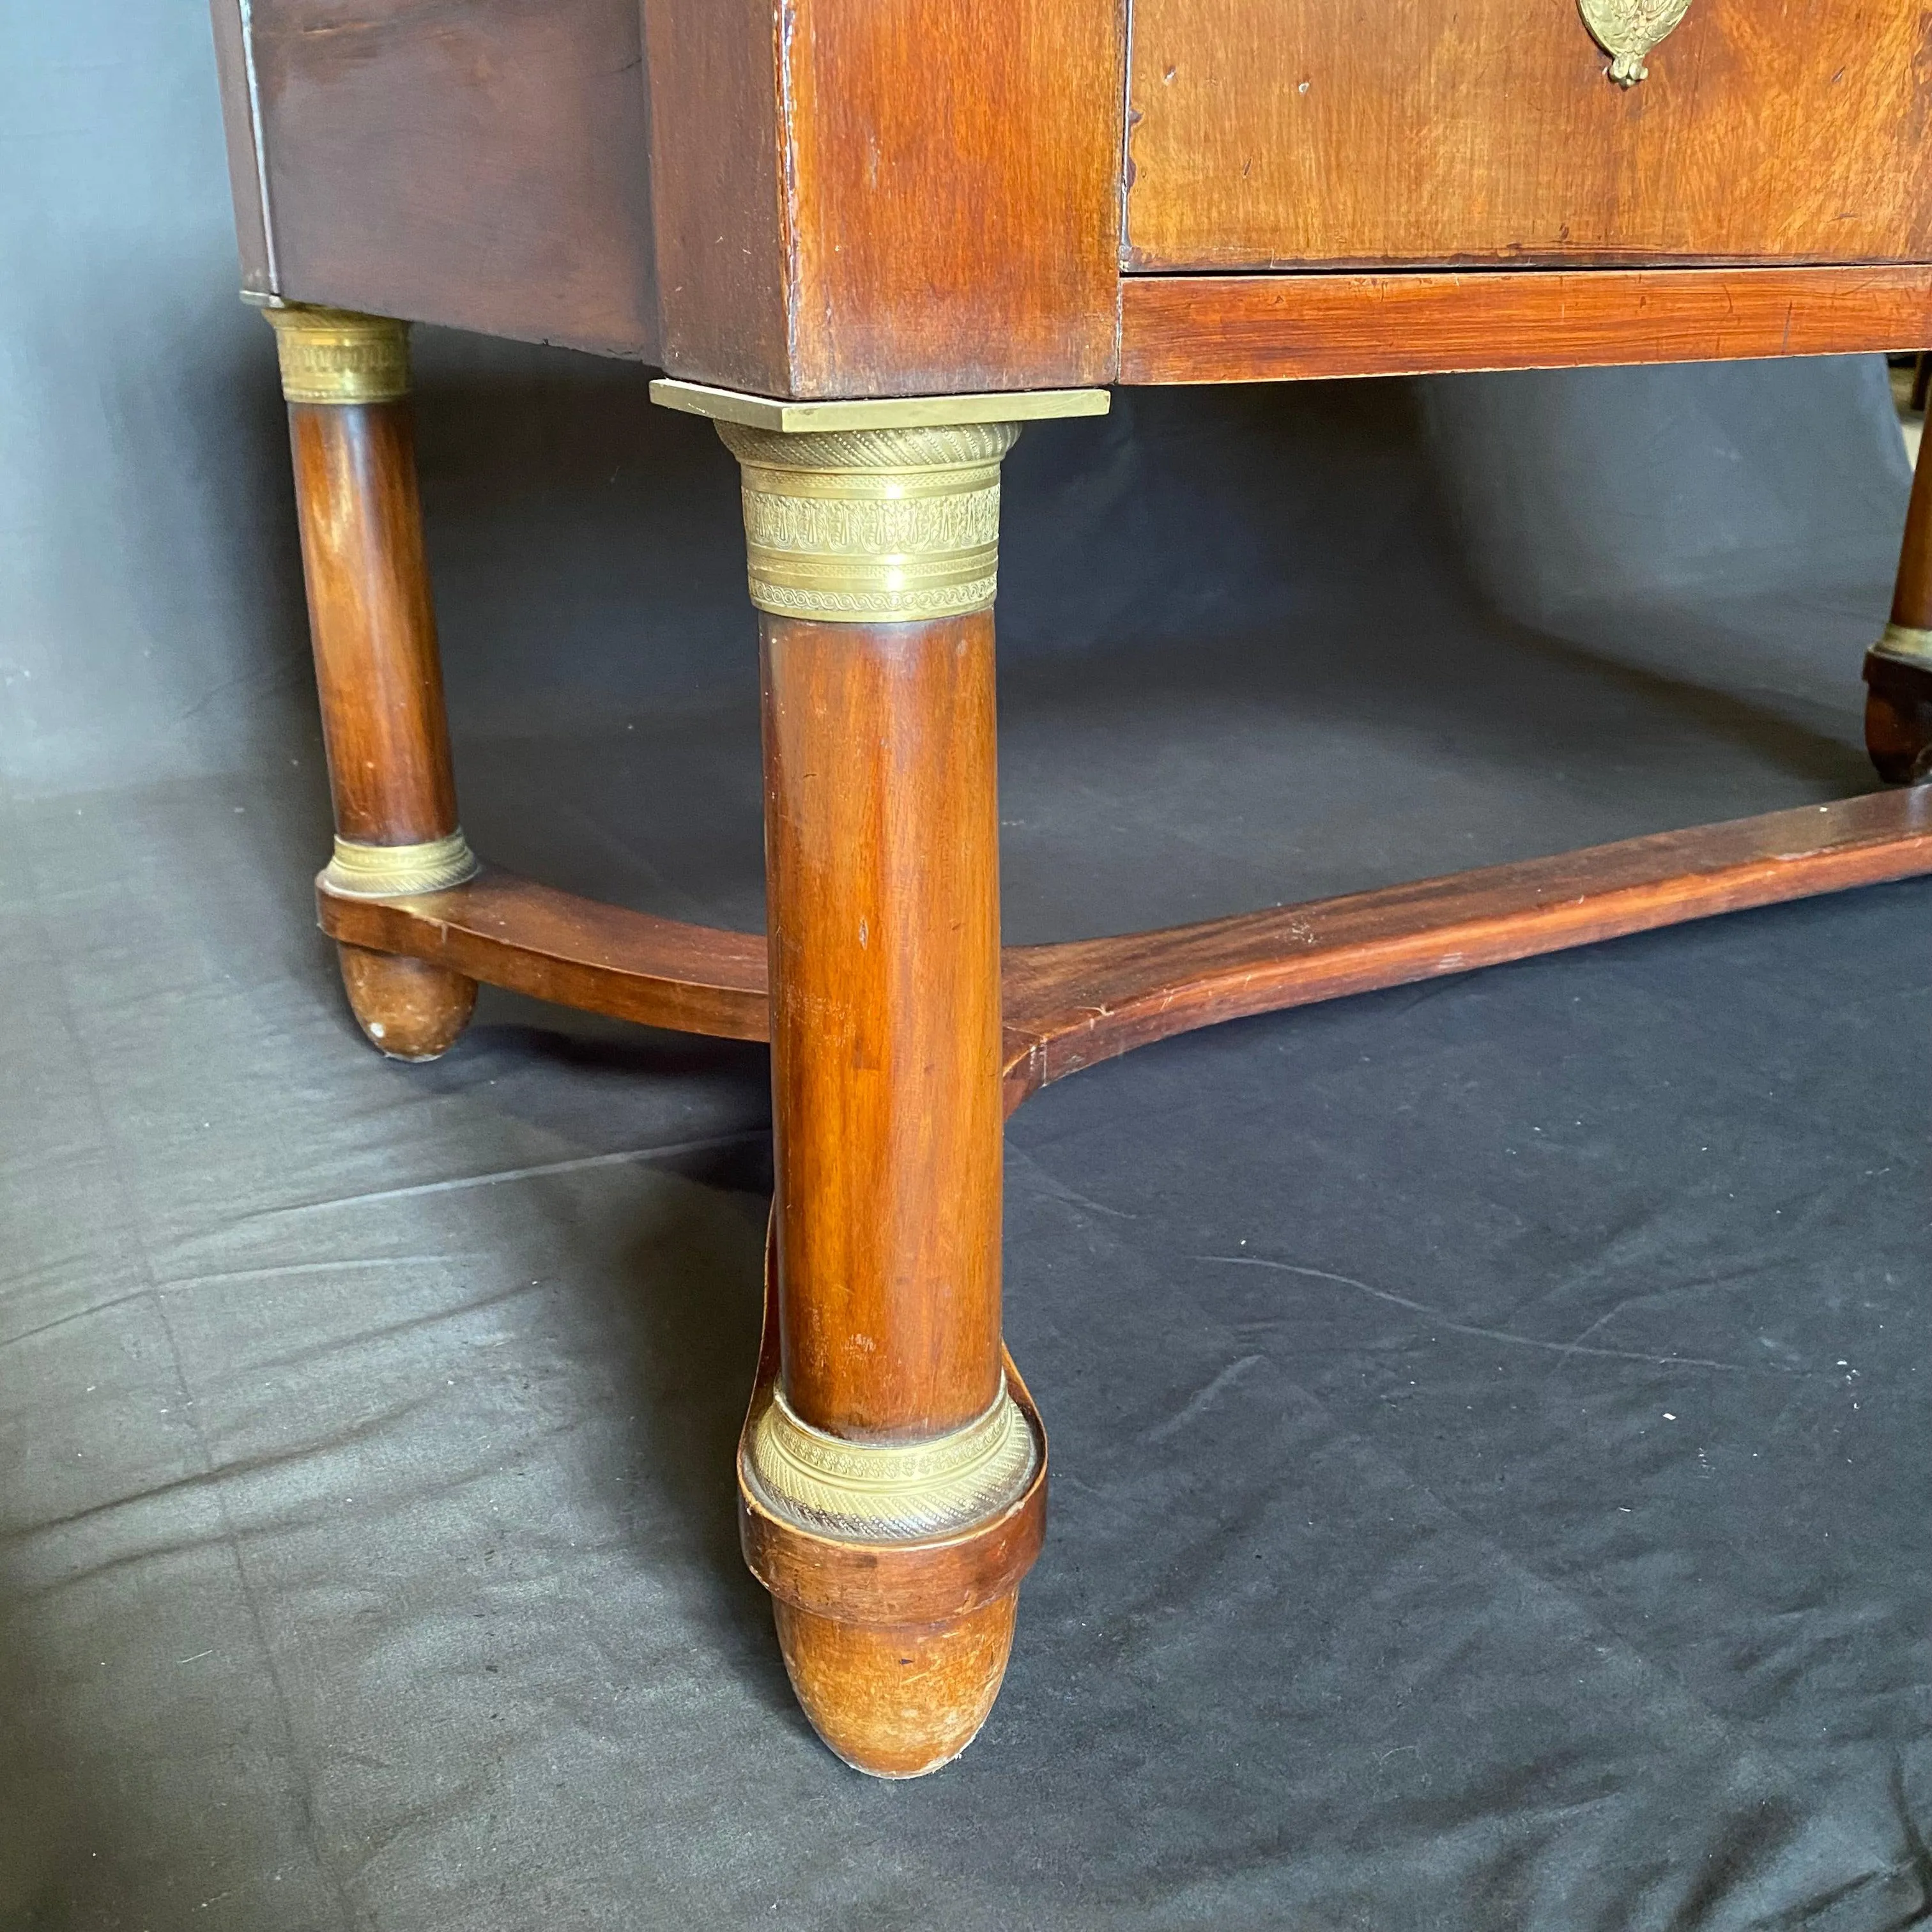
699,399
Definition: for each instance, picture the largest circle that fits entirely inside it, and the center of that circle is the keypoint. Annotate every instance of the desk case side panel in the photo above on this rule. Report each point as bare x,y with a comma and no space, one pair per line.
483,166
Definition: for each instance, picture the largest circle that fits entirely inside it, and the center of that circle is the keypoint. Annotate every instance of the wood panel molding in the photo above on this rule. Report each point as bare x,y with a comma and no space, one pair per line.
1262,328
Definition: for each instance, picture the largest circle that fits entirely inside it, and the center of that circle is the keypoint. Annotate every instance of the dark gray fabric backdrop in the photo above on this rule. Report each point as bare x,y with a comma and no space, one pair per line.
1489,1430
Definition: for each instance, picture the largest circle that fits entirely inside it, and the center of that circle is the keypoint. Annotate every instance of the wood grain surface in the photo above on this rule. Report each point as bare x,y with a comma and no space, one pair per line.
233,58
882,883
371,622
719,225
894,1584
1250,329
886,197
409,1009
896,1651
1898,694
1898,719
883,1265
481,164
1912,594
955,194
901,1700
832,197
372,625
1069,1006
1269,133
508,931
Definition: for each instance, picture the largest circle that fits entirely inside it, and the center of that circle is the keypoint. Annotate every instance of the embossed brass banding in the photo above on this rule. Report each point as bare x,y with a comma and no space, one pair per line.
1909,646
890,1493
872,526
360,871
335,355
1627,30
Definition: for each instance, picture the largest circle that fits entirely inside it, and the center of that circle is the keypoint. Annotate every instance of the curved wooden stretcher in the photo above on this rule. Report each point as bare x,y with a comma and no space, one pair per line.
1073,1005
872,240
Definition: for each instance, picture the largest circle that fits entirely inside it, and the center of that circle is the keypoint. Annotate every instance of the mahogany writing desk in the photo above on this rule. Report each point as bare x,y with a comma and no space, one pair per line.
873,239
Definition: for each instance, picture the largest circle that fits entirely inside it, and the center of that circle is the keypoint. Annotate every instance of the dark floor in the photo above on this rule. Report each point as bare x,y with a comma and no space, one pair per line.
1489,1430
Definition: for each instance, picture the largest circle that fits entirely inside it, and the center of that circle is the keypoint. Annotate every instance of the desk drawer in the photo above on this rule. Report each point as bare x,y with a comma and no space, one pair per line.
1271,134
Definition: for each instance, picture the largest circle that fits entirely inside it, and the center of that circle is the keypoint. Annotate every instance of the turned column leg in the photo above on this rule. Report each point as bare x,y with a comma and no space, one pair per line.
345,378
1898,668
892,1472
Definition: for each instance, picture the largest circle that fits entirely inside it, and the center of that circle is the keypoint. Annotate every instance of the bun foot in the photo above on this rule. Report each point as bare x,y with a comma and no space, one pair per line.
897,1702
1898,718
409,1009
1899,739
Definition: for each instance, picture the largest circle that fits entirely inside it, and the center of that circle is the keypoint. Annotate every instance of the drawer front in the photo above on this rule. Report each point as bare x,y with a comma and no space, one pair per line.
1267,134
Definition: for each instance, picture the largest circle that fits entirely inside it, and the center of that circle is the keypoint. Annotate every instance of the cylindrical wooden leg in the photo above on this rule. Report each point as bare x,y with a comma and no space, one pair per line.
1898,668
345,378
892,1476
